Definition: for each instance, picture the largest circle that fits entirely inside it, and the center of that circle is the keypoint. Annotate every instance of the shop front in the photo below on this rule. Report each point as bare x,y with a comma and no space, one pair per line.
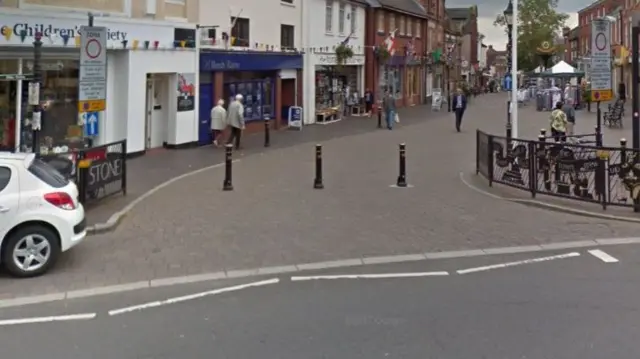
144,68
402,77
270,83
333,91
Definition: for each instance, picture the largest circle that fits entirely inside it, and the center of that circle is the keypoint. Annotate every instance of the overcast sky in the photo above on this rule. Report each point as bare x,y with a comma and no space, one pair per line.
488,10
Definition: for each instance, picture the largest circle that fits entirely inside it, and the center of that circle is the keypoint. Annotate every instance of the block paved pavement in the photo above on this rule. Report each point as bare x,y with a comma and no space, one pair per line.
274,217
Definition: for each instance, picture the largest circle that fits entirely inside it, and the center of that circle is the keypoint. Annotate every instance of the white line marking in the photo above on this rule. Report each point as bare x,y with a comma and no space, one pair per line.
369,276
159,303
601,255
59,318
511,264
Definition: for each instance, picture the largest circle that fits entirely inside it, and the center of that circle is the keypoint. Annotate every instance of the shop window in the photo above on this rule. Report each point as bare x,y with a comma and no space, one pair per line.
328,16
60,103
391,81
286,36
240,32
341,15
258,96
8,97
416,82
333,87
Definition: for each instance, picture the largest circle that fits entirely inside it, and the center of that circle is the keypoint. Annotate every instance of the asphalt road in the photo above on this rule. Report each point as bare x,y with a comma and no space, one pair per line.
558,304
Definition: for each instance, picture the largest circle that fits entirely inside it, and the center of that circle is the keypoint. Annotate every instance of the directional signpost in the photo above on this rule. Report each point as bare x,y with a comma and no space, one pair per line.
93,69
600,72
92,124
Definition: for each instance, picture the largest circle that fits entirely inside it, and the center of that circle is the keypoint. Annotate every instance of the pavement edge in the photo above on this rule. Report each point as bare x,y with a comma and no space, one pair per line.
304,267
548,206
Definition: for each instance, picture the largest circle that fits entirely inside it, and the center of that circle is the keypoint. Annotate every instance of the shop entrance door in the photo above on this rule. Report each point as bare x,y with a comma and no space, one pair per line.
157,120
206,104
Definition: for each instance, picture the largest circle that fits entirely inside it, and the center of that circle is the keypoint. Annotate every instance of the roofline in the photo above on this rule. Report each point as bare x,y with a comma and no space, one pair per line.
589,7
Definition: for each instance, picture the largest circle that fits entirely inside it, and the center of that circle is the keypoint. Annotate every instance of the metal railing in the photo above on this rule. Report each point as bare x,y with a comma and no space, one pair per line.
609,176
98,171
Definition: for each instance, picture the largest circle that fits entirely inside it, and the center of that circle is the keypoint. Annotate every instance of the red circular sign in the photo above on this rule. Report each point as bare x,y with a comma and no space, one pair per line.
93,48
601,41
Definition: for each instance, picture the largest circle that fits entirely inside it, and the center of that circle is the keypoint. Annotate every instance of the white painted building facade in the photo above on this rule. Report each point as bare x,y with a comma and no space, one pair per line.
265,20
145,66
326,23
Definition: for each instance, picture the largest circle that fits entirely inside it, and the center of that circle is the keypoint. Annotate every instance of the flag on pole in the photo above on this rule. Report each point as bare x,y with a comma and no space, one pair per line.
390,42
345,42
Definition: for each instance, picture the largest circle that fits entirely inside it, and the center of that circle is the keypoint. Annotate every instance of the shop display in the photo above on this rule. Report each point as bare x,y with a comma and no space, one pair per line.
257,97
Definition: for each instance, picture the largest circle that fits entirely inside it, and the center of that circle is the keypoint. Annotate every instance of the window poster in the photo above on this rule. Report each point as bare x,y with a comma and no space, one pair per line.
257,97
186,92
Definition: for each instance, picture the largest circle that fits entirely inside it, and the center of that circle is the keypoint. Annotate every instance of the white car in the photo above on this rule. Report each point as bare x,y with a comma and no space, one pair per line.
40,215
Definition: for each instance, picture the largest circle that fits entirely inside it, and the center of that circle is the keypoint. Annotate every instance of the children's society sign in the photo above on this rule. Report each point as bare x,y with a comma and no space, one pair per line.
21,30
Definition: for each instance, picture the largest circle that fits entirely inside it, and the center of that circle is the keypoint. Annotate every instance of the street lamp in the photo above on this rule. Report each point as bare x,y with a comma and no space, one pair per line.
511,18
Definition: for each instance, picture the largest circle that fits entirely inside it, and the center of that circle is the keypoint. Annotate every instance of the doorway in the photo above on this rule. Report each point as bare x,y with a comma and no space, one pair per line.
157,107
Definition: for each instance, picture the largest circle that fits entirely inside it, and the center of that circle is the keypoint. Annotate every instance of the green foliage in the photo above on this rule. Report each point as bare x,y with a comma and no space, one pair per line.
343,53
538,21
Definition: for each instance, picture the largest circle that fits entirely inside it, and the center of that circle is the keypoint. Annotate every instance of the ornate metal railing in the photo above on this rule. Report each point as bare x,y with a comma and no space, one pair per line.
609,176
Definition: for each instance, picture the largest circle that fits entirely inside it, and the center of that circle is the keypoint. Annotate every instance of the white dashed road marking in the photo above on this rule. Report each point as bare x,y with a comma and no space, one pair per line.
59,318
369,276
603,256
517,263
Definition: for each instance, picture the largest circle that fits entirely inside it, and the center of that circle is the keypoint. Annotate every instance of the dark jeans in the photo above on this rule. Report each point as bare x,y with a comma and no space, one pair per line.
235,135
459,114
559,136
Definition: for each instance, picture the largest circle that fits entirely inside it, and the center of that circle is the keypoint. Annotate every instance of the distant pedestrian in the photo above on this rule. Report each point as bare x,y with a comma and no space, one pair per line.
559,123
389,107
235,119
218,122
459,105
368,101
570,112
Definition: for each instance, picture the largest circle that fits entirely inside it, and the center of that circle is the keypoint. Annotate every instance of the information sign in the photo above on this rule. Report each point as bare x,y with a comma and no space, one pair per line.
600,70
93,69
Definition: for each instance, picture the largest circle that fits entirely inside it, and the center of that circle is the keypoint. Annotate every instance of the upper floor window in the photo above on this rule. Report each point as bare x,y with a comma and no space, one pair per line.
409,27
418,29
286,36
341,15
380,21
402,26
328,16
354,23
240,32
392,23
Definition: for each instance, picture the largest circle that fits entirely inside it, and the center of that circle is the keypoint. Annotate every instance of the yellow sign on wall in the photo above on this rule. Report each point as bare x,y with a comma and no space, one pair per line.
601,95
91,106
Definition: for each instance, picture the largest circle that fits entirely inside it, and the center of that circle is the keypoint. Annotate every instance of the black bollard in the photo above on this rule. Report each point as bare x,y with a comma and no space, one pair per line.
379,117
402,176
317,182
227,185
598,130
267,131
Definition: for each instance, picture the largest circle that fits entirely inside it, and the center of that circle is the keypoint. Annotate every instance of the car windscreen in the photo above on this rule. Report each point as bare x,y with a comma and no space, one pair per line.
48,174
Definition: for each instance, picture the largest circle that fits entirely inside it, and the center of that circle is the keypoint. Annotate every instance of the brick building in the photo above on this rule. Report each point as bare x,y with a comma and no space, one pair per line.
400,26
571,45
597,10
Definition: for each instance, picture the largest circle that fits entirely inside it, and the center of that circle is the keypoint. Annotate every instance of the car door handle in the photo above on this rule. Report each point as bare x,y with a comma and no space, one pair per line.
4,209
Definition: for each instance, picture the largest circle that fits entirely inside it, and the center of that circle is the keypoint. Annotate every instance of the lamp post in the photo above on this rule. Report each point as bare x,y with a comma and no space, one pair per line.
36,120
508,17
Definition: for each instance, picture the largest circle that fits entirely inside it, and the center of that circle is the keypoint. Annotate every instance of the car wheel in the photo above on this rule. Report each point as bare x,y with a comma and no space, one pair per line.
30,251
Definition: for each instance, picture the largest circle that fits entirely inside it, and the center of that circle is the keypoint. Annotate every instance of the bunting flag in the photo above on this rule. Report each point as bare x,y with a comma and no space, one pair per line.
65,39
23,35
7,33
124,43
146,44
134,44
77,39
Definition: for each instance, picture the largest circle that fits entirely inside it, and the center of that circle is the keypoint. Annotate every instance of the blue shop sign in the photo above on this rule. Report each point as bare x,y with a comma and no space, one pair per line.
242,61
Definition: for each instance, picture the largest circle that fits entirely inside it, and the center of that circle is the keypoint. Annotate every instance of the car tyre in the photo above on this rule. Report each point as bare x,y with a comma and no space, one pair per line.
14,240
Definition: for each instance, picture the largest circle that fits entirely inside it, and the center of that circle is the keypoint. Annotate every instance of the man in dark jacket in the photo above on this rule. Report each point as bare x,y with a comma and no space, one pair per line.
459,105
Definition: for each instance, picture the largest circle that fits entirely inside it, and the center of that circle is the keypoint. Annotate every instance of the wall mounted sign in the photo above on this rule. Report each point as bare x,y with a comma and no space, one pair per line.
186,92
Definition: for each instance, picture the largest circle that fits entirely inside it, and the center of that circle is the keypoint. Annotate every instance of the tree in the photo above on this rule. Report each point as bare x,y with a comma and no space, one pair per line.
538,21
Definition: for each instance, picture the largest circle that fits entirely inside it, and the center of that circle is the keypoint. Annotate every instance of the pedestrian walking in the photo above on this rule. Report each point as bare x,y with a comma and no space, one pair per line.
389,107
570,112
235,119
460,105
218,122
559,123
368,101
